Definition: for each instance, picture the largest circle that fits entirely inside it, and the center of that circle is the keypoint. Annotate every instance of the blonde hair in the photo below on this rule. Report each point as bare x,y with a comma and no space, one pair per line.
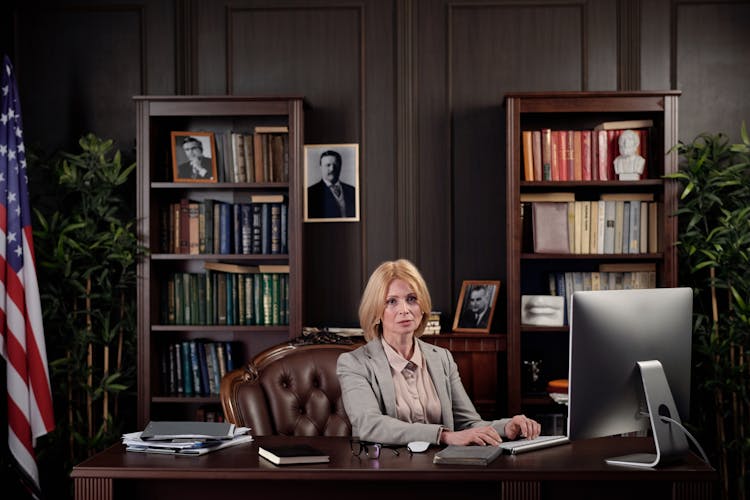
372,305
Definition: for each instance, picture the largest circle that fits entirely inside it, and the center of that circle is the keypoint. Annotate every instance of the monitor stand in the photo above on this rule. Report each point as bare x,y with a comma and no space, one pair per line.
669,440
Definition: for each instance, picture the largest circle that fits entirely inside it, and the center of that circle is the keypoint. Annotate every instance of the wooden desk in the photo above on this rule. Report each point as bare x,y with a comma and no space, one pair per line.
576,470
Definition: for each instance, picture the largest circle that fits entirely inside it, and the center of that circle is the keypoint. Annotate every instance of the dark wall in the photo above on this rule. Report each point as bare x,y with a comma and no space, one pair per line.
419,84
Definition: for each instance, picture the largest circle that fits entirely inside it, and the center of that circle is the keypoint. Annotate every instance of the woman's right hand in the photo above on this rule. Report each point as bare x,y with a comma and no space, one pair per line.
481,436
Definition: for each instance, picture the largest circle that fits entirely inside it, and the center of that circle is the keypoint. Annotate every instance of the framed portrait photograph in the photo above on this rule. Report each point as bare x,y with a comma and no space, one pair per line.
476,306
331,183
193,157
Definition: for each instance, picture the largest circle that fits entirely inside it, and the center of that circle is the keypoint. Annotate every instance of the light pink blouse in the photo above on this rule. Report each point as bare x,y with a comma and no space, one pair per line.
416,397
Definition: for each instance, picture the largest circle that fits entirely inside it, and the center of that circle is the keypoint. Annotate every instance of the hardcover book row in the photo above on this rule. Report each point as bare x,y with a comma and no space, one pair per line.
226,298
611,225
195,367
258,156
623,276
578,155
216,227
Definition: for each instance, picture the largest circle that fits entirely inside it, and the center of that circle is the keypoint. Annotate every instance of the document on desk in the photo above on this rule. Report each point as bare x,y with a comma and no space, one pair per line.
133,442
525,445
160,431
467,455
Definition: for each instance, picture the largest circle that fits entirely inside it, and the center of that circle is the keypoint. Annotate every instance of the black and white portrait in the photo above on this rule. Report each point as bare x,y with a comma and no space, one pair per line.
476,306
194,157
332,182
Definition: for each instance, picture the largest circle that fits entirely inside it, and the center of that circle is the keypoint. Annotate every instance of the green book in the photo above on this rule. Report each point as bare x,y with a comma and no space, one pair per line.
179,299
187,369
275,299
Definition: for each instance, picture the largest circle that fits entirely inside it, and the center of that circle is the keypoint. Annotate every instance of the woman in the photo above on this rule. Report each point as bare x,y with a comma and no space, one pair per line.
396,388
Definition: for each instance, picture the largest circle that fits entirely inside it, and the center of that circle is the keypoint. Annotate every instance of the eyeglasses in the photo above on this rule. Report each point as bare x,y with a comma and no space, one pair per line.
372,450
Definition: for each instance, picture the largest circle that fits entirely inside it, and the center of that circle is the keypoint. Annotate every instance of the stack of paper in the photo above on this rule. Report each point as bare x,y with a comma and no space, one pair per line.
185,438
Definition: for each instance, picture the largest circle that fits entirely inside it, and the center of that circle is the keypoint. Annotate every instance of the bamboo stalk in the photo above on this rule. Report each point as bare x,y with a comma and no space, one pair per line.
718,395
741,436
70,409
120,335
105,399
89,363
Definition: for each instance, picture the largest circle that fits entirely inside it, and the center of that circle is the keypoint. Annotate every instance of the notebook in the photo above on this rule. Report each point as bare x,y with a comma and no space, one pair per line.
467,455
525,445
292,454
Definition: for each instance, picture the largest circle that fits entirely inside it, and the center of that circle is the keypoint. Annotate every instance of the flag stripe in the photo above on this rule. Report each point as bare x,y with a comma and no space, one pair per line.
30,412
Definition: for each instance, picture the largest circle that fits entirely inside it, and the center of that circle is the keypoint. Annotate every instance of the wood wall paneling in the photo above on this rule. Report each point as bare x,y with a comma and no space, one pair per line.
340,58
552,56
712,66
80,73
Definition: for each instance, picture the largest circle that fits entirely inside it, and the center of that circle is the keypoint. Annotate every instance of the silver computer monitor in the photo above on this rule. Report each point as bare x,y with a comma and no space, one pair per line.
629,365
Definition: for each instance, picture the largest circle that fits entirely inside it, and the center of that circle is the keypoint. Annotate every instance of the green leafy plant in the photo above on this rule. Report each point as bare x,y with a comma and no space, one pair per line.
714,243
86,254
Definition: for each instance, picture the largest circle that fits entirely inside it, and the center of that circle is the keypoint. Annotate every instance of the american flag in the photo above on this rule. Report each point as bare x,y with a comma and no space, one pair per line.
30,413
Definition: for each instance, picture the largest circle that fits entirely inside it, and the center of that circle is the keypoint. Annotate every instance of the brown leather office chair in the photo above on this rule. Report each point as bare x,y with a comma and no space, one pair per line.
289,390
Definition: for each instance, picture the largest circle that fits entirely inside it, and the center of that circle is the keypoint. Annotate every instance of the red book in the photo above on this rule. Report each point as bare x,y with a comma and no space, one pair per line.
586,173
603,154
577,156
613,150
555,155
570,154
536,140
562,154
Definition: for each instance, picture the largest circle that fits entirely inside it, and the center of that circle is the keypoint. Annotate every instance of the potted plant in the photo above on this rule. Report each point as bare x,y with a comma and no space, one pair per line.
714,244
86,254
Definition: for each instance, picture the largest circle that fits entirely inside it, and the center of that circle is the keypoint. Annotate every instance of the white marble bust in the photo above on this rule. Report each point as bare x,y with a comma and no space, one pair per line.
629,165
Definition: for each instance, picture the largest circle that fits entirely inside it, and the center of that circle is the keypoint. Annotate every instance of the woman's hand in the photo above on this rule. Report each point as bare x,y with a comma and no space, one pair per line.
476,435
520,425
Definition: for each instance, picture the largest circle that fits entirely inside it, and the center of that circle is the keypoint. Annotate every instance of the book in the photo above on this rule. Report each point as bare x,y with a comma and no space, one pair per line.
467,455
267,198
293,454
550,222
273,268
602,155
230,268
271,129
536,141
528,159
621,267
546,154
551,196
627,196
168,430
624,124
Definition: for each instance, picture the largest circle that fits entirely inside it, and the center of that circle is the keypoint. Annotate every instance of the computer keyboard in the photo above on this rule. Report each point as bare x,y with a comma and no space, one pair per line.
525,445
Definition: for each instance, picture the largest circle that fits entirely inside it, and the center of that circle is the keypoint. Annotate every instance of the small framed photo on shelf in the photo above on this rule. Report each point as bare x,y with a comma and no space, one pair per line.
331,183
476,306
193,157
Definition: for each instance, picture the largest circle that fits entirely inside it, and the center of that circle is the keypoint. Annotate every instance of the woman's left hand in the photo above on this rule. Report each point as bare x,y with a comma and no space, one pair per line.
521,425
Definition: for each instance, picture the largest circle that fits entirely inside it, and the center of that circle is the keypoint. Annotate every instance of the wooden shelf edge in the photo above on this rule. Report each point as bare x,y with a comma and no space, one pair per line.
220,328
592,256
212,257
186,399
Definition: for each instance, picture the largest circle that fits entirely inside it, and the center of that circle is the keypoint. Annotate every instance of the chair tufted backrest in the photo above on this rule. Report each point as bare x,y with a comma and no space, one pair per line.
290,390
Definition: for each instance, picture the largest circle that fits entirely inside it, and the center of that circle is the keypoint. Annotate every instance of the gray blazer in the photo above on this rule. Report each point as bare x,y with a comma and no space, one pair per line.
370,399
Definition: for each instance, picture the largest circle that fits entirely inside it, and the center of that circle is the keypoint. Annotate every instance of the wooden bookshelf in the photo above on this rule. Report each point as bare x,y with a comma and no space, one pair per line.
157,117
525,269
